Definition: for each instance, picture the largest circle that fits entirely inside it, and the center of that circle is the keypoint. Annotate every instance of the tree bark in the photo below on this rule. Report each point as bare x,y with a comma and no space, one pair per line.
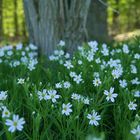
49,21
1,19
97,21
115,27
16,18
24,33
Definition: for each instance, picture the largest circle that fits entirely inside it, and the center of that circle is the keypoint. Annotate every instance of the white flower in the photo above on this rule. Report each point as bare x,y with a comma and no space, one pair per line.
24,60
72,74
58,85
67,55
78,78
86,101
66,84
2,106
93,45
132,106
32,63
90,57
75,96
133,69
113,63
40,83
61,62
80,62
9,53
136,132
103,65
98,60
118,50
52,58
125,49
116,73
96,74
66,109
52,95
20,81
135,81
42,95
5,113
105,50
110,94
33,113
137,56
19,46
3,95
27,49
32,55
61,43
32,46
56,52
15,124
59,53
16,63
94,118
123,83
97,82
80,48
68,64
112,52
80,98
1,53
137,93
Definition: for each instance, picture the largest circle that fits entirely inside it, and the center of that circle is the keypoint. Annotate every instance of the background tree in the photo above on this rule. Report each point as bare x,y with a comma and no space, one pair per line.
97,26
1,19
49,21
115,17
127,20
12,20
16,18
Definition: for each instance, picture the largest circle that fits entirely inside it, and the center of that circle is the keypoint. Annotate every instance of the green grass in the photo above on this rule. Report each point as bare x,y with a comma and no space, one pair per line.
44,119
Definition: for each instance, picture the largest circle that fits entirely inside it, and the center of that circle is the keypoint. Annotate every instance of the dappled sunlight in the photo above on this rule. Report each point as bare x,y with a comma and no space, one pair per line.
127,36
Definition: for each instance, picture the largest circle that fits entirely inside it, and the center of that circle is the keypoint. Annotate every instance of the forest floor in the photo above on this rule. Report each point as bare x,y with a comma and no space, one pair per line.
119,38
127,35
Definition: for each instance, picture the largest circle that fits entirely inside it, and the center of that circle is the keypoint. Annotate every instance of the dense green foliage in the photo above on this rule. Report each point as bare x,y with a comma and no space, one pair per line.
13,21
84,82
123,15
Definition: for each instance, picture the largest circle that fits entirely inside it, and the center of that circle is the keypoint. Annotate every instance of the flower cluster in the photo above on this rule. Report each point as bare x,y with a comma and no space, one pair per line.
90,90
48,95
15,123
19,55
110,71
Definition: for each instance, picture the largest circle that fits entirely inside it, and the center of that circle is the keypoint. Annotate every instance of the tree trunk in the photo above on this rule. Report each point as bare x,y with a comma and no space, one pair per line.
24,33
115,27
49,21
97,21
16,18
1,19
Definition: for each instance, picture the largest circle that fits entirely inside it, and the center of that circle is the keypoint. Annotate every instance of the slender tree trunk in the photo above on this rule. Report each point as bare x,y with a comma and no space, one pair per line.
49,21
1,19
97,21
16,18
137,19
115,26
24,33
